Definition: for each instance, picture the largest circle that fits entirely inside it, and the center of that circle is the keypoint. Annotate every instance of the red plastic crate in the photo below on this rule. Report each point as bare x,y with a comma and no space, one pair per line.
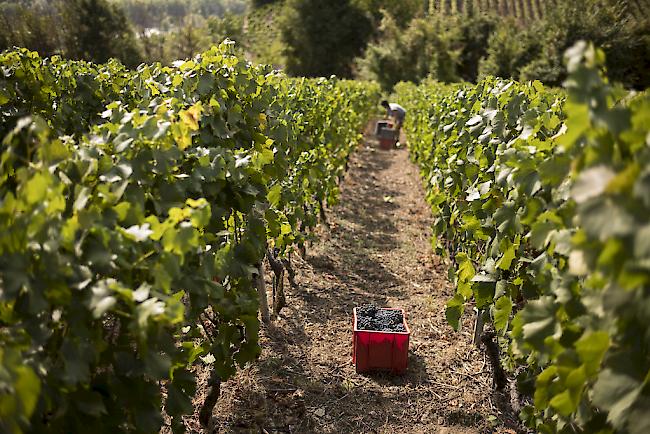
372,350
386,135
387,143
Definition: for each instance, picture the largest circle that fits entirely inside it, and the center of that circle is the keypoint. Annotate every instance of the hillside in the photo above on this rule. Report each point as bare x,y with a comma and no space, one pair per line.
262,36
526,11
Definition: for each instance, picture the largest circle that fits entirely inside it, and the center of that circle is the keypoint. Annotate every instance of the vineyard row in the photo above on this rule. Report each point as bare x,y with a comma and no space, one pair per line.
526,11
542,200
136,208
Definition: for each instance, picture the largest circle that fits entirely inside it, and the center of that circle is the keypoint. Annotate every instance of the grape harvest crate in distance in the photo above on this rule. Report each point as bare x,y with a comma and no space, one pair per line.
386,134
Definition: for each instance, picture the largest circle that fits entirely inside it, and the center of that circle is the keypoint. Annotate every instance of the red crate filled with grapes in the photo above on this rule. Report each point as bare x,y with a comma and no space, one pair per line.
380,339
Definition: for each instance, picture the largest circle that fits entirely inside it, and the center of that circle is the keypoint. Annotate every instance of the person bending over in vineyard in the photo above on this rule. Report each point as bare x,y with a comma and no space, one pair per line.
395,112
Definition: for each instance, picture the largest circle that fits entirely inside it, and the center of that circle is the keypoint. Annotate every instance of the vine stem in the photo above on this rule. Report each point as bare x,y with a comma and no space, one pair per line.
261,292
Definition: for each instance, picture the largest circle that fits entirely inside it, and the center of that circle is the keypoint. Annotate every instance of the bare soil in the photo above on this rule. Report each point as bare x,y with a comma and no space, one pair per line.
376,250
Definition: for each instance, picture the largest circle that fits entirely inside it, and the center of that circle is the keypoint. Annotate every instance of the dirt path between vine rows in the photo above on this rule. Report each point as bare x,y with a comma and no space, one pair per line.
377,250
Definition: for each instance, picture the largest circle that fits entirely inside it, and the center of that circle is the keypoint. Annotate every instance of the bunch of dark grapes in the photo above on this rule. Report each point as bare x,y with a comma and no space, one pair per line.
365,323
368,310
384,320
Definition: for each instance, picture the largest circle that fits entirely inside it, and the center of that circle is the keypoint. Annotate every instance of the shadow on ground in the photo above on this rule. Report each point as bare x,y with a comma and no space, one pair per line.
363,230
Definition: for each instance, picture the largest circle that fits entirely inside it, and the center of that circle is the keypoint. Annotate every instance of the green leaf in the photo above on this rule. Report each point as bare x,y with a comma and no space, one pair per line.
20,389
191,116
178,402
605,219
483,293
54,151
156,365
122,210
538,321
505,261
285,229
541,386
591,183
35,189
591,348
502,311
454,311
466,270
540,234
624,181
616,392
274,195
180,240
464,289
4,97
76,361
200,214
563,403
90,403
578,124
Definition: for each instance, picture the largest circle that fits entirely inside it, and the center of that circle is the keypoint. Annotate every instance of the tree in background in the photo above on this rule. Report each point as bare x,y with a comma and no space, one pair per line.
229,26
474,45
323,38
423,49
94,30
193,35
191,38
607,23
97,30
475,32
402,11
508,50
34,25
446,48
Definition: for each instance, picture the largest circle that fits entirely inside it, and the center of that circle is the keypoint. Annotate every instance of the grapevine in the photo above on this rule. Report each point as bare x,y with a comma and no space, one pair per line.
136,207
541,200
